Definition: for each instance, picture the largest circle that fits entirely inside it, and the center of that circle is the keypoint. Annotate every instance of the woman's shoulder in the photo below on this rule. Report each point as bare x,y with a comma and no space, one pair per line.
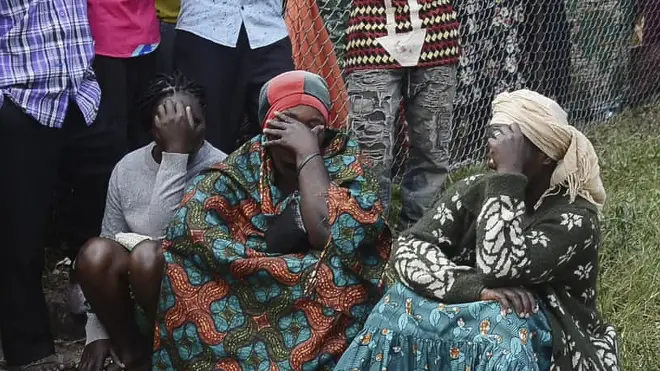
468,185
560,203
135,160
209,155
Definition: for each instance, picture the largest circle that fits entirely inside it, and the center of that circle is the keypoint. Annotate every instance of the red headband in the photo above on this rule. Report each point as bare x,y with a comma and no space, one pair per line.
293,100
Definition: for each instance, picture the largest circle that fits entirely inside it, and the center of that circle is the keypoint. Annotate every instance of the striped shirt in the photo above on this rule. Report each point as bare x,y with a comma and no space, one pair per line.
368,22
46,53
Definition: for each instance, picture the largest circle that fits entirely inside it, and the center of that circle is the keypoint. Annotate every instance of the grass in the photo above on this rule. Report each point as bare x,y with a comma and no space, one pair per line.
630,258
629,150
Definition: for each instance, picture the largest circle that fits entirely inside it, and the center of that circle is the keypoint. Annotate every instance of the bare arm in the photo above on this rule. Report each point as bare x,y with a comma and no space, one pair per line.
313,184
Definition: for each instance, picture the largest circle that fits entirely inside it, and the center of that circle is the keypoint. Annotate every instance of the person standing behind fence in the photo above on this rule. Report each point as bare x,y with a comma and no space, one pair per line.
404,50
168,12
232,48
49,100
126,34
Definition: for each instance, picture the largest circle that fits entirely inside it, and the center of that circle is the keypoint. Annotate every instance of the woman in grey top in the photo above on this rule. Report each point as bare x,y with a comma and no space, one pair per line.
145,188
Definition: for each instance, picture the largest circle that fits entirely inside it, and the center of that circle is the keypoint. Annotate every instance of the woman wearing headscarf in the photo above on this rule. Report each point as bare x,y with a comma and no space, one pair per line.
501,274
274,257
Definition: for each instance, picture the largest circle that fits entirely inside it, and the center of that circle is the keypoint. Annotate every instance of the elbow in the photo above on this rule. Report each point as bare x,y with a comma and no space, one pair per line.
403,274
501,273
503,264
320,238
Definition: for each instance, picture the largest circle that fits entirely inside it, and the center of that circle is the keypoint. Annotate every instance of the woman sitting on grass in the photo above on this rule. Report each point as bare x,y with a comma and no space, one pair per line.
145,188
273,259
522,238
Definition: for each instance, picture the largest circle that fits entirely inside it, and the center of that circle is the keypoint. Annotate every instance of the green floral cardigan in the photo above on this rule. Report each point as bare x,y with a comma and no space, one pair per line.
480,234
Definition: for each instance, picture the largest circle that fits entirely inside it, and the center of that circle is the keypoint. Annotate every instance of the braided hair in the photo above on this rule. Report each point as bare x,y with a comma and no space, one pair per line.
165,86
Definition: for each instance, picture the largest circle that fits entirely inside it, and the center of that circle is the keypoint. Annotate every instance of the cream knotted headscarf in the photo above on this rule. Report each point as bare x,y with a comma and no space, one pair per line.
545,124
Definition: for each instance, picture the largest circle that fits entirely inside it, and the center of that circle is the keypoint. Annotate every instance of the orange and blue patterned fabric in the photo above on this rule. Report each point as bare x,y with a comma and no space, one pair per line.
226,303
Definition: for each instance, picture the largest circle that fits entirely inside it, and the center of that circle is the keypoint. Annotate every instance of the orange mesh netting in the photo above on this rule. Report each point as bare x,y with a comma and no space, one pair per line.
313,51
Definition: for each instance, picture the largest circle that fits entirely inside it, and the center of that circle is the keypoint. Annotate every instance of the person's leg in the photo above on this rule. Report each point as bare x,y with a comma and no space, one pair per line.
428,106
214,67
374,101
140,72
165,51
146,264
29,155
89,147
261,65
88,157
651,22
102,270
112,76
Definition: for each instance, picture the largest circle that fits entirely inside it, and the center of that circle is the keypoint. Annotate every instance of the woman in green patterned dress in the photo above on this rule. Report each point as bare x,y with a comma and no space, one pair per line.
522,238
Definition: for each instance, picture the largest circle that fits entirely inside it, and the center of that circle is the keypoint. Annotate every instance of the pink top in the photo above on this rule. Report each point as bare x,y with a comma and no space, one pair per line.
123,28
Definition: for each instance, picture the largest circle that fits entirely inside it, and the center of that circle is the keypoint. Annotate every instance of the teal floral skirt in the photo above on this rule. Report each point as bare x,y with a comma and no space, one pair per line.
407,332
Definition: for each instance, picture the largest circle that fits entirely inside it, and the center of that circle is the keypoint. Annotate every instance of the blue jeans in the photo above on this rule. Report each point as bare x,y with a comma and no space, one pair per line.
428,95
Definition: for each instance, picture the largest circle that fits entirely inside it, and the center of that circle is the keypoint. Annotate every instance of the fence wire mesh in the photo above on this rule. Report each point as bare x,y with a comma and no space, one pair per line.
595,57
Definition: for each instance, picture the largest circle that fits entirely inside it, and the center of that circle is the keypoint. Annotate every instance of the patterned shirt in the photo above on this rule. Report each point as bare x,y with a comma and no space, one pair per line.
220,21
480,234
368,21
46,50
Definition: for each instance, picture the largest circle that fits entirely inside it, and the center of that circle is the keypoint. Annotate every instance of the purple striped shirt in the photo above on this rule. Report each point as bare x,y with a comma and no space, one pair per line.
46,53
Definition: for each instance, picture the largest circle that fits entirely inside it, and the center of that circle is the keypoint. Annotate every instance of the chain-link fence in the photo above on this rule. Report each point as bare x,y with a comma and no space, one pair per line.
595,57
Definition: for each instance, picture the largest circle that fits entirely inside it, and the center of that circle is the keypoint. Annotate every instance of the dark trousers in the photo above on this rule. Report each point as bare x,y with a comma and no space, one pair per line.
31,156
123,83
165,51
651,22
232,79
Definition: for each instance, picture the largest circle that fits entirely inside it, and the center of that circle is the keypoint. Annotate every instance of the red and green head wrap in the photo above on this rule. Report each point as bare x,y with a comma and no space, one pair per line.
292,89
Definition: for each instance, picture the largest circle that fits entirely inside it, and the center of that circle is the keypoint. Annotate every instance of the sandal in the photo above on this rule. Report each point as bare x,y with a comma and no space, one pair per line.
114,364
111,365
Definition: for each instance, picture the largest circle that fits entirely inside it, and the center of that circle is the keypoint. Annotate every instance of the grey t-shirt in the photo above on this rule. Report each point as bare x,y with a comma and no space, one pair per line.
143,195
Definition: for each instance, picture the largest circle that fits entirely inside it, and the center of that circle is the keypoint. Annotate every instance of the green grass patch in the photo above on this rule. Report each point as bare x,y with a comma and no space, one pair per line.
629,150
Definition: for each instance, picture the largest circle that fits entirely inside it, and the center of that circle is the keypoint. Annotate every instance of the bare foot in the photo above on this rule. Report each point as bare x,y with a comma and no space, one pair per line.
141,362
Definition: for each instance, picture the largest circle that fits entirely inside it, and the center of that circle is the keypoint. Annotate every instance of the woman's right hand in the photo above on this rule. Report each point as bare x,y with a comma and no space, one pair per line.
94,355
516,298
175,127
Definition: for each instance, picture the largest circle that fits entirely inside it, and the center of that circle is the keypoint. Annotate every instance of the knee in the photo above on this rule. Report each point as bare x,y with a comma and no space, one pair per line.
147,258
96,256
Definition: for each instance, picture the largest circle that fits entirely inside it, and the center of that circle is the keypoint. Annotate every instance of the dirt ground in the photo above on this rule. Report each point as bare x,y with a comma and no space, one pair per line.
68,330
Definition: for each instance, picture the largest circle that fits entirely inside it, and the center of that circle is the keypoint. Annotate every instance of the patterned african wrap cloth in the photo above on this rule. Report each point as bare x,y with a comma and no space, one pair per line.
227,304
409,332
